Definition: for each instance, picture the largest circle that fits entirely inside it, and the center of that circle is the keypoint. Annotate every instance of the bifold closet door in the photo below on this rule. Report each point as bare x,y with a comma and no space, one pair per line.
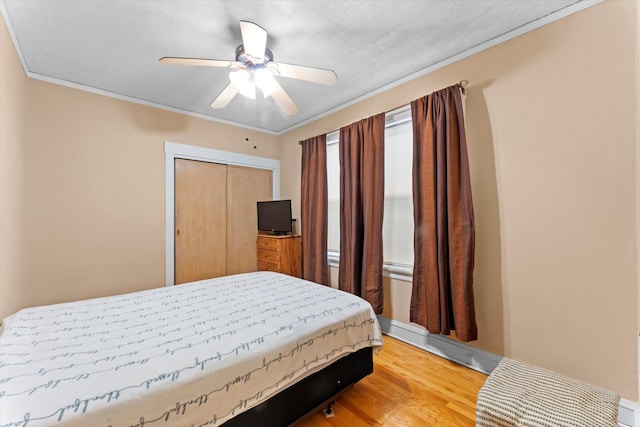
200,220
245,187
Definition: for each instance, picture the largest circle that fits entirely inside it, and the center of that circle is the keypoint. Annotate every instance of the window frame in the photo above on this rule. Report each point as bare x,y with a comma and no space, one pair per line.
391,270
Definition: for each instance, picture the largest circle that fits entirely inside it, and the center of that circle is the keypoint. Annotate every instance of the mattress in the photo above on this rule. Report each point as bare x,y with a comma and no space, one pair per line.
194,354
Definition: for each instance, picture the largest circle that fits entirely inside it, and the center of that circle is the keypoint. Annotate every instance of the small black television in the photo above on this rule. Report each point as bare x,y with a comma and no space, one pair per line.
274,216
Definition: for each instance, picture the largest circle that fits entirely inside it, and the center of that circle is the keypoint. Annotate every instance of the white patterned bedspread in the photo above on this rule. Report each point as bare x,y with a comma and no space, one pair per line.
194,354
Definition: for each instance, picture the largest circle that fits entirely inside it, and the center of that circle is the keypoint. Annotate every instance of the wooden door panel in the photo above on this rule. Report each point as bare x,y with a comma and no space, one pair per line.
245,186
200,220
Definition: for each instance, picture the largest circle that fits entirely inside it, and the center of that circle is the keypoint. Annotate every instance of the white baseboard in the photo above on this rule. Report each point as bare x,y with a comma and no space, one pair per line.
465,355
628,414
478,360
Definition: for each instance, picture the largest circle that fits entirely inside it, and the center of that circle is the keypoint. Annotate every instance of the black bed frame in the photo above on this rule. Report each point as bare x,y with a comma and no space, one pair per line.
312,392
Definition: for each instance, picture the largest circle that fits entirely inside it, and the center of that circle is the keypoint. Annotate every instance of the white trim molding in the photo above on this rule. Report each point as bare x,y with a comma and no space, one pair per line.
478,360
393,271
181,151
552,17
548,19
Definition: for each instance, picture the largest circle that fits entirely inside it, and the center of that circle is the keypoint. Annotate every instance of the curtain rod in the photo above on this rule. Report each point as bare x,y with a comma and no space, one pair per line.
462,84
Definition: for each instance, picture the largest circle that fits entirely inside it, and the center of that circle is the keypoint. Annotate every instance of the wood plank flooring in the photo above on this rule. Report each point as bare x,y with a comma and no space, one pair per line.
409,387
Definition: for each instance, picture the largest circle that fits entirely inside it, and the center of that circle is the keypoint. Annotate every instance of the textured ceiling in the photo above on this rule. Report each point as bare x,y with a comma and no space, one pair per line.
114,46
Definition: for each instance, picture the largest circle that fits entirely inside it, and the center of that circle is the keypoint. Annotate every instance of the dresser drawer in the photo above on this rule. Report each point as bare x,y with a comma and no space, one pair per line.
268,266
268,256
267,243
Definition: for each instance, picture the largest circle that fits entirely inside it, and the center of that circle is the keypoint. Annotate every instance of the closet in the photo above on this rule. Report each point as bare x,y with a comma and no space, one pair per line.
215,218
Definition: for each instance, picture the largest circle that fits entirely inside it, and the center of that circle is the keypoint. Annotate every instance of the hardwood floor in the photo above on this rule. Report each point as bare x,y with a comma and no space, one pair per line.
409,387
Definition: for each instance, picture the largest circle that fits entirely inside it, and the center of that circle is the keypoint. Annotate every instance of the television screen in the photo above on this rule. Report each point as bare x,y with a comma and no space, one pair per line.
275,216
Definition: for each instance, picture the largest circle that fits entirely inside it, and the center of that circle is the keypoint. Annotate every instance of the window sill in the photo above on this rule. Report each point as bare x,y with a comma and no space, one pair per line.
392,271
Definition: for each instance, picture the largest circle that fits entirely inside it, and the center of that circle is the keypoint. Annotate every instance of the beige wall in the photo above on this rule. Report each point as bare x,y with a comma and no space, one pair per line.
551,122
13,137
96,189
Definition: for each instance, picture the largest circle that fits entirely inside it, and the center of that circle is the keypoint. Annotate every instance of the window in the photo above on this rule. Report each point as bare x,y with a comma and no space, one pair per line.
397,228
333,193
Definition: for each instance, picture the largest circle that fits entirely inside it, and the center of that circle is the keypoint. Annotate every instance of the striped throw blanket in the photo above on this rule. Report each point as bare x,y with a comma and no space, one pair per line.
520,395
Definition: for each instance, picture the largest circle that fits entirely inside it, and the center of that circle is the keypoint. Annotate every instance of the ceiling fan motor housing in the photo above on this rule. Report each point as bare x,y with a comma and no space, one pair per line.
246,59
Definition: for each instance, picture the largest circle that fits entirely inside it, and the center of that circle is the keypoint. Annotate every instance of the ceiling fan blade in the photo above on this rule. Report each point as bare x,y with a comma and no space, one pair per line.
282,99
225,97
310,74
200,62
254,39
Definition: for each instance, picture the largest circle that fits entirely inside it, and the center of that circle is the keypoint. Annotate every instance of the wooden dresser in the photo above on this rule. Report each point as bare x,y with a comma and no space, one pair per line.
279,253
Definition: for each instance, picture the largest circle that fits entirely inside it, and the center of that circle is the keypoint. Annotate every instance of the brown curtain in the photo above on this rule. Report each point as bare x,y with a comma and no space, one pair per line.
314,210
361,149
442,294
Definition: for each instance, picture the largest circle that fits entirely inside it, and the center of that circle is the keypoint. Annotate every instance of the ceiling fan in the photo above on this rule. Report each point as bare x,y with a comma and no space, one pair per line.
254,66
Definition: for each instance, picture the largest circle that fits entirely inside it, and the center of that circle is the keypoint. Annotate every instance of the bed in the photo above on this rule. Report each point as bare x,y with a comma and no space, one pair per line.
250,349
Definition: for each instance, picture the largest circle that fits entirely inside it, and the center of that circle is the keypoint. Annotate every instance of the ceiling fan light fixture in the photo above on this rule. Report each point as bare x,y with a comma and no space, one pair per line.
265,81
243,81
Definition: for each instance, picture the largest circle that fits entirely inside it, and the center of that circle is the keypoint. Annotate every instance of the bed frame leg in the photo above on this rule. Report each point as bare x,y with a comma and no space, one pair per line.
328,411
